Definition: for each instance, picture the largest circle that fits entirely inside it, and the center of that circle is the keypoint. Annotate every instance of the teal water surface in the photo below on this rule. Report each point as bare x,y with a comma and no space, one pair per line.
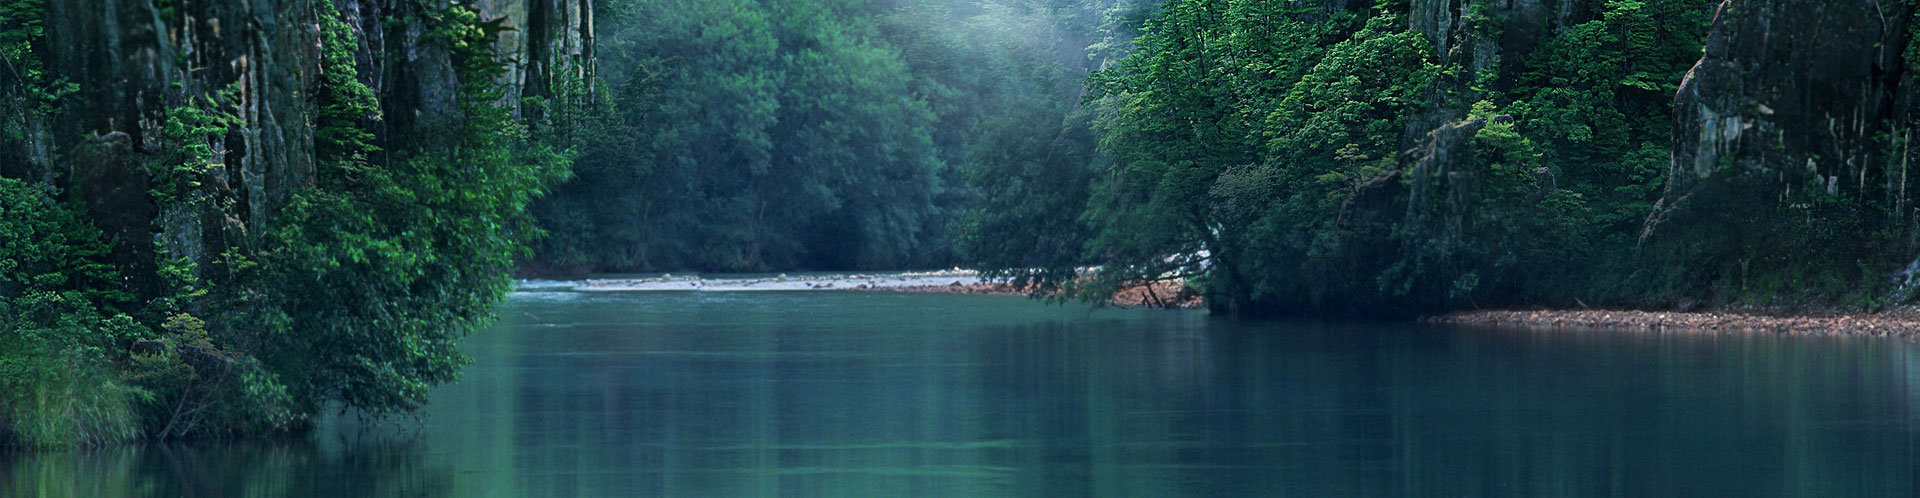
857,394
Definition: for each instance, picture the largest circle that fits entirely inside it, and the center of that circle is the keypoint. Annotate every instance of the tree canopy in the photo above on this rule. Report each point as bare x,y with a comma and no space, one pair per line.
749,135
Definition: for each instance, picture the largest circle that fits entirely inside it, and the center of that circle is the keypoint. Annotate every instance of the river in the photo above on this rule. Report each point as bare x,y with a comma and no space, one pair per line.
855,394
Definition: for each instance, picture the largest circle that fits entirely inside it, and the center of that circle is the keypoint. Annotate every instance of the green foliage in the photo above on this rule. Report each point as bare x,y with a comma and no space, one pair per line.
371,279
357,292
58,327
1236,131
1598,99
1512,233
1252,143
49,247
819,134
23,36
1336,130
344,102
1034,180
200,388
1179,115
197,384
595,213
65,375
190,132
29,94
1009,81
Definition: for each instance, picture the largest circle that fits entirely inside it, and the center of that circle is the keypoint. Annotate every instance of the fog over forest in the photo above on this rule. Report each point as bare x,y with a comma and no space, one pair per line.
741,135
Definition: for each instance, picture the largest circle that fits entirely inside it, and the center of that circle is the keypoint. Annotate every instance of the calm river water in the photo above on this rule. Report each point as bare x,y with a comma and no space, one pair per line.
829,394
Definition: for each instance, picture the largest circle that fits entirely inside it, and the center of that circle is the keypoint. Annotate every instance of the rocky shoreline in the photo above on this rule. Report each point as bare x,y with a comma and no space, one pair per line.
1163,295
1897,323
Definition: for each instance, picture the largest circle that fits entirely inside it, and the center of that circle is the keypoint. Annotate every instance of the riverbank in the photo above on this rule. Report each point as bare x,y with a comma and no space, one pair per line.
1168,295
759,282
1897,323
1165,295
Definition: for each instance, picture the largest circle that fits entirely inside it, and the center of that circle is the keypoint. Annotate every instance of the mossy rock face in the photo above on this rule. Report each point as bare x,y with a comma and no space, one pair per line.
191,140
1790,112
1790,158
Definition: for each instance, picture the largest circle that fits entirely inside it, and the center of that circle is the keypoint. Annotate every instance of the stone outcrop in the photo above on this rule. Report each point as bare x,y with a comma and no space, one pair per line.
1442,181
1792,153
1792,102
553,44
137,59
1481,37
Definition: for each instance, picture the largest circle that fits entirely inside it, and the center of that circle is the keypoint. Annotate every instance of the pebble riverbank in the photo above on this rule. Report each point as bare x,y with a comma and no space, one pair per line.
1900,323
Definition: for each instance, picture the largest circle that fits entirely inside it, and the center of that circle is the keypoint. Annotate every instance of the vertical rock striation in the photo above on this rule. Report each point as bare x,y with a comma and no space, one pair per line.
1792,98
135,61
138,60
1792,144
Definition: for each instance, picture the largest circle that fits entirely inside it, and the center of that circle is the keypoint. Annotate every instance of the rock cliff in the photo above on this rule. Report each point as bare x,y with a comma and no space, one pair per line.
1795,95
1791,140
1792,146
137,61
1484,37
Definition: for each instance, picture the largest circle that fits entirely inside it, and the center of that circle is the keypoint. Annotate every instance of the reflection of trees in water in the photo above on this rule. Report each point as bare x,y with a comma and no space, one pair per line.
373,467
1165,408
110,472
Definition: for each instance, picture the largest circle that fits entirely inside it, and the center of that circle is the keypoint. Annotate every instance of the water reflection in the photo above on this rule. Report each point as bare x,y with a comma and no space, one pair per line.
368,468
910,395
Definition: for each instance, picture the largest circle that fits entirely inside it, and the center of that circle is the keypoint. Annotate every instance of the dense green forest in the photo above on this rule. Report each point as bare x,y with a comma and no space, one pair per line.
212,225
1396,158
1254,143
1235,144
1409,156
754,135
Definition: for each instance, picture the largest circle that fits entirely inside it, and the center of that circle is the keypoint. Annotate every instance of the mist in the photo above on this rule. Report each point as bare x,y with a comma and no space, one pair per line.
759,135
